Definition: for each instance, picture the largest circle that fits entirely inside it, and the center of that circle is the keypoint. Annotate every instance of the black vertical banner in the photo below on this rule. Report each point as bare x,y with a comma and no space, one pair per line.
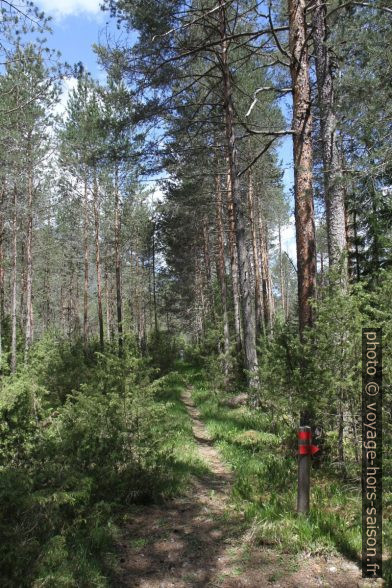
371,453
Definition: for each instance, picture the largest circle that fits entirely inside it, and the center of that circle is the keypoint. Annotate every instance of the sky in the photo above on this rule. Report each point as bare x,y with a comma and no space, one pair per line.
78,24
65,8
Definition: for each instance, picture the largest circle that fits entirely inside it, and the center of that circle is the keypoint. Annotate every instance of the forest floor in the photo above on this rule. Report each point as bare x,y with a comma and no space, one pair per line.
201,540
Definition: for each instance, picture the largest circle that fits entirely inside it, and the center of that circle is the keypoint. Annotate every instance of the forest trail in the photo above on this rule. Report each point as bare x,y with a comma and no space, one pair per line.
198,541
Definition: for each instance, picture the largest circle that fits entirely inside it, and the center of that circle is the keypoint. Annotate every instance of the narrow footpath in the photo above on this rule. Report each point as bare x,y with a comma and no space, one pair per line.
198,541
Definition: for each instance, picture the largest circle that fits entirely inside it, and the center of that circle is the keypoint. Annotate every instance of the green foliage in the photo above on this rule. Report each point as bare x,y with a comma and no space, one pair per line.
321,373
71,459
164,350
262,453
324,370
60,366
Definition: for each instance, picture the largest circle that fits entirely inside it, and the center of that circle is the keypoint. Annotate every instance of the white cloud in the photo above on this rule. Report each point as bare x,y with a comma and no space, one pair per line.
62,8
68,85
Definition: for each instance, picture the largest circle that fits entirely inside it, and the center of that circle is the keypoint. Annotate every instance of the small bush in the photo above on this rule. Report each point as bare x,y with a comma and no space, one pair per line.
72,455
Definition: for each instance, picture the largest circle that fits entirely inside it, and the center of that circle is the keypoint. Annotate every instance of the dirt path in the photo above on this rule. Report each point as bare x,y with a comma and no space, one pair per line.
197,541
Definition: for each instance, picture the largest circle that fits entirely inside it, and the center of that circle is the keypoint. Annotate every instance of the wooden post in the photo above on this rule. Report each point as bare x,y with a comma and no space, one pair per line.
304,459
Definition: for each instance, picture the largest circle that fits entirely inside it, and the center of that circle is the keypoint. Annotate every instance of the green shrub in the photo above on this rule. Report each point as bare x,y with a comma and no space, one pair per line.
71,458
164,351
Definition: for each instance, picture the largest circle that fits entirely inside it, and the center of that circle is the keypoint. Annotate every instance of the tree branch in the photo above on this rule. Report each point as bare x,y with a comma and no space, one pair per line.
278,44
265,89
189,24
265,148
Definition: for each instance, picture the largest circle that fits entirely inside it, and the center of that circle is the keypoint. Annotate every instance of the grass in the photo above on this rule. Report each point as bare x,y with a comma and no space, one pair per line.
62,507
263,457
265,484
186,457
185,463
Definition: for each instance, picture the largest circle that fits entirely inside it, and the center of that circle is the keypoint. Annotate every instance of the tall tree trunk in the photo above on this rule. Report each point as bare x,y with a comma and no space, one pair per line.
352,247
341,421
133,301
200,301
108,307
333,184
139,304
85,252
14,281
234,263
117,249
98,263
23,286
2,272
47,281
303,162
266,280
29,265
70,307
221,271
208,269
246,295
63,307
281,274
255,249
76,302
154,286
321,270
356,245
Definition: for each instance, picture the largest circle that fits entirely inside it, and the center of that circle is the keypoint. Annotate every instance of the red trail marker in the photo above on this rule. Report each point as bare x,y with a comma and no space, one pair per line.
305,451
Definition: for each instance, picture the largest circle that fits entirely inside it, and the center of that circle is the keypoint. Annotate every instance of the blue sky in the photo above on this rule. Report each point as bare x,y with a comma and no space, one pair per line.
77,24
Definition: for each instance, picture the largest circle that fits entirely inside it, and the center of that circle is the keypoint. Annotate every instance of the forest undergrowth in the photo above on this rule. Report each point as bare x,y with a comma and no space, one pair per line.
262,452
323,372
83,436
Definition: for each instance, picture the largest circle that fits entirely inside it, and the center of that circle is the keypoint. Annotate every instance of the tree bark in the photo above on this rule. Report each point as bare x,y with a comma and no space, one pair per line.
108,307
98,263
246,297
321,270
2,273
352,247
154,288
75,303
23,286
47,281
303,162
63,307
140,307
266,280
14,281
86,268
117,249
29,264
341,457
255,250
221,271
234,263
333,184
208,269
356,246
281,274
199,301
